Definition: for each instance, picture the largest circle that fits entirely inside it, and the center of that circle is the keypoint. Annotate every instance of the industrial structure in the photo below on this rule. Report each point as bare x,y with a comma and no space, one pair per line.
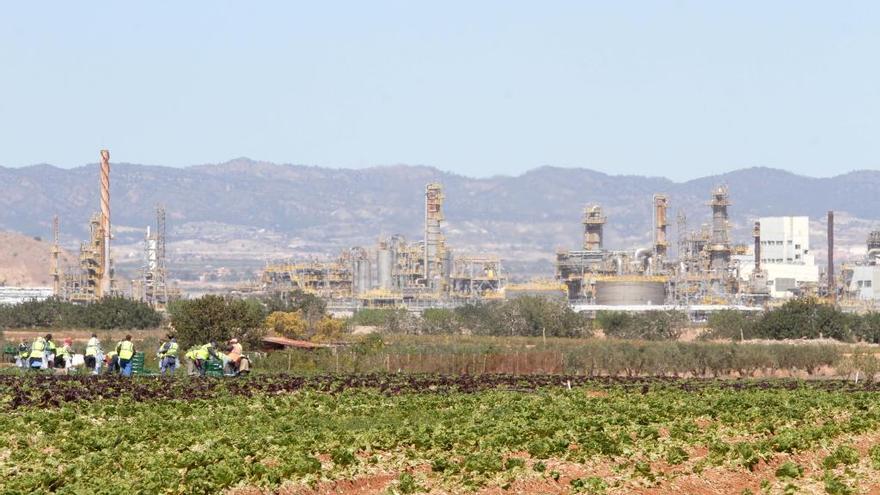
396,272
93,278
783,257
152,285
705,271
861,280
596,275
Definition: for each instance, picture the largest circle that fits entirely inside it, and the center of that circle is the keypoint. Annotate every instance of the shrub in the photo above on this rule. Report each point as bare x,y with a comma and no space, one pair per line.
213,318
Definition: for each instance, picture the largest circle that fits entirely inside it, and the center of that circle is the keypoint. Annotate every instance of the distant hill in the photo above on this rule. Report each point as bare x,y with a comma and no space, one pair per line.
259,210
24,261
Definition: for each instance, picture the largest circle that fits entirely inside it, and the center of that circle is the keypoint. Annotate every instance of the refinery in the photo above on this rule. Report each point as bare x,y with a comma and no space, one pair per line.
701,268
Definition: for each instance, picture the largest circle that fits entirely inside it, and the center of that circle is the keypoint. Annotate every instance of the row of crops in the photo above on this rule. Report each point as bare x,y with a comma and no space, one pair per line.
436,433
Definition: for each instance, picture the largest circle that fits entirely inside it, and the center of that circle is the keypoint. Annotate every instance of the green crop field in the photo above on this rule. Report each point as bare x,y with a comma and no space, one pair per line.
440,434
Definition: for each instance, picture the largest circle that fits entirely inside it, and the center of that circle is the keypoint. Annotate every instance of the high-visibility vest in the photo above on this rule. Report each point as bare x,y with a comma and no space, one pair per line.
38,350
172,349
92,347
203,353
126,349
191,354
24,350
50,346
169,349
63,351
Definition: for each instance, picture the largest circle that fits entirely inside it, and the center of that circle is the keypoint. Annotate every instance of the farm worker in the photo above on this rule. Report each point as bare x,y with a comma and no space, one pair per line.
168,355
51,348
24,352
112,360
204,353
125,350
63,354
93,348
234,354
191,364
38,352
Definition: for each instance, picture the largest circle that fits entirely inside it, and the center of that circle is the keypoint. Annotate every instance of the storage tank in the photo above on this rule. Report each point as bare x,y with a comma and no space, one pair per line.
630,292
383,268
363,274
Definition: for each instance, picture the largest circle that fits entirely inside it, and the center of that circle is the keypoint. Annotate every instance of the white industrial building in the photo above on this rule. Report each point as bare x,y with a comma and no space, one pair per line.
862,280
785,256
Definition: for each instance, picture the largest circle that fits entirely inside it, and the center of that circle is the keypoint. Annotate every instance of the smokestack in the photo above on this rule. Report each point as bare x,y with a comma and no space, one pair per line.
105,222
56,250
660,204
832,285
757,234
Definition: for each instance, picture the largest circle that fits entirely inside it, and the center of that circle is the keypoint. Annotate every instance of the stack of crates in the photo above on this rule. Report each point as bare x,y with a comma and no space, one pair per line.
137,365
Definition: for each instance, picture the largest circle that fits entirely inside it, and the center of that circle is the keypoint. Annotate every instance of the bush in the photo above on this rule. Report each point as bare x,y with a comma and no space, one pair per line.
213,318
650,325
289,324
730,324
805,318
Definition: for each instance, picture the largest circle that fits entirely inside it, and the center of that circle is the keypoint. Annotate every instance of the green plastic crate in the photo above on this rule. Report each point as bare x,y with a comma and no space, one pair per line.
214,368
137,365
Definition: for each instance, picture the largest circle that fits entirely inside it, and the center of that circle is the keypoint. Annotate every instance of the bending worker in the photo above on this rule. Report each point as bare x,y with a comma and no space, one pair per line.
125,349
234,355
203,354
168,355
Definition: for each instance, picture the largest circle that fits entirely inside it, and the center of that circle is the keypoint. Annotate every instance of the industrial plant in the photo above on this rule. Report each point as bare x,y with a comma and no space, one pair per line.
94,277
705,270
424,273
709,270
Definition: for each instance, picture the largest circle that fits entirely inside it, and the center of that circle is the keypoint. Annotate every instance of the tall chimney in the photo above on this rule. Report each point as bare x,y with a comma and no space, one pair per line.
832,289
105,222
660,204
757,234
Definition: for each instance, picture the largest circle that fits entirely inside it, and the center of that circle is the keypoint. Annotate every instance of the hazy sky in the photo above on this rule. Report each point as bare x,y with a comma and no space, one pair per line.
681,89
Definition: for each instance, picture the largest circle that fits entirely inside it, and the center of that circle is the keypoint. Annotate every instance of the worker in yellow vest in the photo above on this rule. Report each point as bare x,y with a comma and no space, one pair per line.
51,349
38,352
111,359
64,354
125,350
24,353
93,348
191,360
202,355
168,355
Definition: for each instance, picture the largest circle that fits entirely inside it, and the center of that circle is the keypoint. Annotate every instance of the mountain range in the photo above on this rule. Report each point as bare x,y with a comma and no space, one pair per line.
239,214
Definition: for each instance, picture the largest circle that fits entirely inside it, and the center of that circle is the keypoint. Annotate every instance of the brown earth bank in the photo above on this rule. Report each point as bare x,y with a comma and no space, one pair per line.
25,261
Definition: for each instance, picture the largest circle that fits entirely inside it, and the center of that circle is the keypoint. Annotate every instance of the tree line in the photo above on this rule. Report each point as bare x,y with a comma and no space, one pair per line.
796,319
105,314
520,317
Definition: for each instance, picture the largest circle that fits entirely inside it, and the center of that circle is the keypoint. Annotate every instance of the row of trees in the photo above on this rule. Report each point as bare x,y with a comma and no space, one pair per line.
523,316
105,314
797,319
